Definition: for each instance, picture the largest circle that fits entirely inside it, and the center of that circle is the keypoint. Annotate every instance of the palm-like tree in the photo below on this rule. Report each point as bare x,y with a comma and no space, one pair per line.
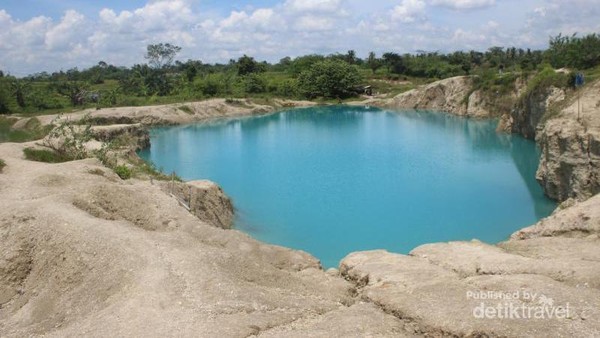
19,89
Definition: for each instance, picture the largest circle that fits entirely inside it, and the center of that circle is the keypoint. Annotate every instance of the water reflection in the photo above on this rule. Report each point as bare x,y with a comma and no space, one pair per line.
482,137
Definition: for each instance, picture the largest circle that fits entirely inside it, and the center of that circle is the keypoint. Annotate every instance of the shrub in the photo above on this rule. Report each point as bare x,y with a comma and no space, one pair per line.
288,88
573,51
123,172
255,83
45,155
2,164
186,109
33,130
69,137
331,79
544,79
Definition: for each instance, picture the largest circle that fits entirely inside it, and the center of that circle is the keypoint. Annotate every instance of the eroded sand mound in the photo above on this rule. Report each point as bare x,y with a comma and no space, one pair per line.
84,253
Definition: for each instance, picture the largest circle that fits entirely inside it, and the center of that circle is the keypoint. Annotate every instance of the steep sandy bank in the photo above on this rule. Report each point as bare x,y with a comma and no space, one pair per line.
178,113
570,143
453,95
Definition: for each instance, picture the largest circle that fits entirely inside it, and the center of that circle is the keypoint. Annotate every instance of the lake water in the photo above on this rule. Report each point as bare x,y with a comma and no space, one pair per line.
332,180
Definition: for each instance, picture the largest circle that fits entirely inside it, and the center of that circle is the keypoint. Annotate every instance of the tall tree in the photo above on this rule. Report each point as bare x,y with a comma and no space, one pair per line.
74,90
394,62
329,78
373,62
247,65
161,55
350,57
19,89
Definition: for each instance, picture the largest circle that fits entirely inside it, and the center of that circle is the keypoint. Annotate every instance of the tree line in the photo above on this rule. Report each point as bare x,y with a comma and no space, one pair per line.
334,76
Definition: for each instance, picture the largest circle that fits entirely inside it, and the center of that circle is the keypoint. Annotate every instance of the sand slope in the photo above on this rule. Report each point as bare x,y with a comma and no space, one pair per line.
89,254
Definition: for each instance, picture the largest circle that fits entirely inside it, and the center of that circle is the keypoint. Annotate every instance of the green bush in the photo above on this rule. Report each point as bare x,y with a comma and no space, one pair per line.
2,164
255,83
288,88
573,51
330,79
44,155
217,84
123,172
545,78
33,130
69,137
186,109
493,82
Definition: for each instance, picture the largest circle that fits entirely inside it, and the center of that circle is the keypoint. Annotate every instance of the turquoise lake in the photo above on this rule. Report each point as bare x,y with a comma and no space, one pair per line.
333,180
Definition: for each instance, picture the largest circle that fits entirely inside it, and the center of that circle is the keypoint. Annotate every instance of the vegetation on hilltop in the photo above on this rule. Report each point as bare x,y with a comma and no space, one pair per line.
164,80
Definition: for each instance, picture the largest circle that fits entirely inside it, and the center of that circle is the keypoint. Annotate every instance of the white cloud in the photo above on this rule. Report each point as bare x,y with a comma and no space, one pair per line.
67,33
244,29
409,11
313,5
313,23
467,38
566,17
464,4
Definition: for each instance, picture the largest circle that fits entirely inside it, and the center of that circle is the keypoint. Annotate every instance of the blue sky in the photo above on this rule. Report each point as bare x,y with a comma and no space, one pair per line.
59,34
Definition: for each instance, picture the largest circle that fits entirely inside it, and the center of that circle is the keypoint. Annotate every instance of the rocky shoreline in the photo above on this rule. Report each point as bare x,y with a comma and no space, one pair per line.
85,253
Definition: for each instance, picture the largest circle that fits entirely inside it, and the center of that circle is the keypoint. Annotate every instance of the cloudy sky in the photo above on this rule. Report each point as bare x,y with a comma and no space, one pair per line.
38,35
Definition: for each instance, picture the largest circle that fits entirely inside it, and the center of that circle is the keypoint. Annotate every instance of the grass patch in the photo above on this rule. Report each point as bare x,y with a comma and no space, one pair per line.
44,155
144,169
186,109
123,171
492,82
2,164
96,171
32,130
546,78
237,103
592,74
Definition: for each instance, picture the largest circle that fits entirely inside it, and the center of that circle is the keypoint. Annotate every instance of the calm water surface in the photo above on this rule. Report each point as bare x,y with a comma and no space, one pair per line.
339,179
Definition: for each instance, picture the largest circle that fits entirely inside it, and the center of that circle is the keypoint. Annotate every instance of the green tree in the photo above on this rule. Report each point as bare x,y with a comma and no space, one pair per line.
247,65
111,97
74,90
495,56
4,97
575,52
161,55
191,70
329,78
303,63
394,63
42,98
255,83
20,89
373,62
283,64
288,88
350,57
